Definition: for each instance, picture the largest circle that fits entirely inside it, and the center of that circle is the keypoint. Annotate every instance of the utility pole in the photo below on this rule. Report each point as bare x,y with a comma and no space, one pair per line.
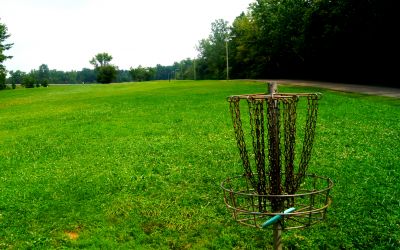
181,74
227,59
227,39
194,68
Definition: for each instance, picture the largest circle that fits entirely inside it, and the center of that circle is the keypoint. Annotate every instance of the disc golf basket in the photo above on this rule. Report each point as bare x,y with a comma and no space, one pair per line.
275,188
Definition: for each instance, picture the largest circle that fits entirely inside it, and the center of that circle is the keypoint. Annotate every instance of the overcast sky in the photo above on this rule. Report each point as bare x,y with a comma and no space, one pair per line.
66,34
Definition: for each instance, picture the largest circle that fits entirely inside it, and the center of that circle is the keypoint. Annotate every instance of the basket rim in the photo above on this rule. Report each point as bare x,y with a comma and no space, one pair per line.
329,186
317,95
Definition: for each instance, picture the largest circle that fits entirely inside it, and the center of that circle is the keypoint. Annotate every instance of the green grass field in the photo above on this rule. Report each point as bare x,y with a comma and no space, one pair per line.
139,166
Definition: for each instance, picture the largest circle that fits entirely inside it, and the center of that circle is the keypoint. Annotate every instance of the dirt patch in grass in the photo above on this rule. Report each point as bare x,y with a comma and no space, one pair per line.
72,235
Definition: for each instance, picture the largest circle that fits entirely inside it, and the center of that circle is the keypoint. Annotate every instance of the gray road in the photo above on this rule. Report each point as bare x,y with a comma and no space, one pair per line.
369,90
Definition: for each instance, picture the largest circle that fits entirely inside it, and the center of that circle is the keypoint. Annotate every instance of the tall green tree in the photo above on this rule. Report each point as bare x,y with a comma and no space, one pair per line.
212,51
280,37
105,72
101,59
3,47
244,56
44,75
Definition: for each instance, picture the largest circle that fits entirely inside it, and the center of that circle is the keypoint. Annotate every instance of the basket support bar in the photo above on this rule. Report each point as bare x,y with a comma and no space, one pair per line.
276,218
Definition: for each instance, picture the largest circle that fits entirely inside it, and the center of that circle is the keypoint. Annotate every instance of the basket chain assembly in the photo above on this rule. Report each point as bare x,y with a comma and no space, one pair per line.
275,108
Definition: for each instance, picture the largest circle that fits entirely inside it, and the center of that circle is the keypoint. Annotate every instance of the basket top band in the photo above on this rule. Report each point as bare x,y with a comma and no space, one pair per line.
274,96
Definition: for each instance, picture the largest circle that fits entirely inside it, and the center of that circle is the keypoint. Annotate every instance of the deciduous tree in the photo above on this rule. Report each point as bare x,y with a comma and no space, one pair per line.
212,61
43,75
101,59
3,47
105,72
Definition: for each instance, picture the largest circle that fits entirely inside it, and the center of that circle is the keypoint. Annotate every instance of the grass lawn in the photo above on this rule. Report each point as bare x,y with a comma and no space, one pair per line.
138,166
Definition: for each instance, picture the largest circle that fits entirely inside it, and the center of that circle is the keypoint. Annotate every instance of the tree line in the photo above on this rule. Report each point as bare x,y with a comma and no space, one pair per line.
341,40
43,76
103,72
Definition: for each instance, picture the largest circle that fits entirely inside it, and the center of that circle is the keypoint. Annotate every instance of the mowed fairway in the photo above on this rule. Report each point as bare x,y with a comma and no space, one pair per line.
138,166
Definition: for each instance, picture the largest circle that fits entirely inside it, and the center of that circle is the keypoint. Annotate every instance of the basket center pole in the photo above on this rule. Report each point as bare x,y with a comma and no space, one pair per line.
272,88
277,234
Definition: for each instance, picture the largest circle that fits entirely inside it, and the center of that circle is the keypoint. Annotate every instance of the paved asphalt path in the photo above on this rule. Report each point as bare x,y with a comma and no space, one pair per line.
363,89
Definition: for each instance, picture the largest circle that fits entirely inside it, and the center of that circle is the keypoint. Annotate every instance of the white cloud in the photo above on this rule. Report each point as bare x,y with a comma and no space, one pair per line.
66,34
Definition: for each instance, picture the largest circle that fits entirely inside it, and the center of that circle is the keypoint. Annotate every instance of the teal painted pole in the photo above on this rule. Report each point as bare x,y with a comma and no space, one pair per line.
276,218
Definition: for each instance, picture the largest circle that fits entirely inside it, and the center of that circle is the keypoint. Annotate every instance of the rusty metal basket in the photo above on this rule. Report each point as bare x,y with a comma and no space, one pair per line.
275,137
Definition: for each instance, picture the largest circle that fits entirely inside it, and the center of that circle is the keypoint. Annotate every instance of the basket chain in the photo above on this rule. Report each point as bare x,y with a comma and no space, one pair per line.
289,119
312,111
234,106
269,176
256,111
